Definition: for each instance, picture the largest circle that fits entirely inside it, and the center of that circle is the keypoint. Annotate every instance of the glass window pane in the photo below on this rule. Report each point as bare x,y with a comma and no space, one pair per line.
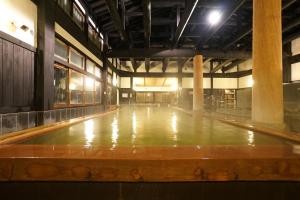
89,90
78,16
98,92
61,49
90,66
76,59
76,88
65,5
97,72
60,85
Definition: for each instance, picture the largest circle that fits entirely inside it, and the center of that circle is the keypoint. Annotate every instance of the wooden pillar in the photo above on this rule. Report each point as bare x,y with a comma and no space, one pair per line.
44,75
267,103
198,83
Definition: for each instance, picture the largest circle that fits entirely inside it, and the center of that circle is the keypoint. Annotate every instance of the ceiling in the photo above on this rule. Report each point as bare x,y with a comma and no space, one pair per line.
142,26
232,33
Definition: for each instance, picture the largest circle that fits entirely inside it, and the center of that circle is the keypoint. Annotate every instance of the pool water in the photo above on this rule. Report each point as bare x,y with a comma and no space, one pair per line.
153,126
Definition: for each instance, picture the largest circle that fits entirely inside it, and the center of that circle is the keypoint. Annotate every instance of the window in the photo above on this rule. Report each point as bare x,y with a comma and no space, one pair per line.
89,89
60,85
65,5
90,66
76,88
98,91
61,49
97,72
76,59
78,16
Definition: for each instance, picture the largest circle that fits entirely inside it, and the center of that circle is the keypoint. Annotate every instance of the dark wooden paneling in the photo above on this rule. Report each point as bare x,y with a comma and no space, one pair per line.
18,76
7,78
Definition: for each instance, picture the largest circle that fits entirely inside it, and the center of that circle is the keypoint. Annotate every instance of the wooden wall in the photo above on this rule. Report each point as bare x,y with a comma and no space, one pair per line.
16,76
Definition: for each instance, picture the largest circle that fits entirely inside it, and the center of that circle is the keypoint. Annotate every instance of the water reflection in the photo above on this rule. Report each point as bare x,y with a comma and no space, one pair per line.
133,128
174,128
251,138
115,132
89,132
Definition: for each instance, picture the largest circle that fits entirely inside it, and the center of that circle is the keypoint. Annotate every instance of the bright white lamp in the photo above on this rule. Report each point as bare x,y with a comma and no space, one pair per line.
214,17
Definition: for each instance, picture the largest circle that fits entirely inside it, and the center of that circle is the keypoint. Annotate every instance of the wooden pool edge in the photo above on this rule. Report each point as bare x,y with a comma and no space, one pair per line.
22,135
152,164
291,136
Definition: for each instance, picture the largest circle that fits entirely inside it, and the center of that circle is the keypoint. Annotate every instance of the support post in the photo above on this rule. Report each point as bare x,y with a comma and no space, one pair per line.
267,103
198,83
44,76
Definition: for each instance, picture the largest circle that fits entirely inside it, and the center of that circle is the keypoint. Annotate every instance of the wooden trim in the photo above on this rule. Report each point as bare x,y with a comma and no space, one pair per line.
16,41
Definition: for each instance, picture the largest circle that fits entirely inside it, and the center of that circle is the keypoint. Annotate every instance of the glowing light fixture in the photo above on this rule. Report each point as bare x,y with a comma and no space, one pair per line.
214,17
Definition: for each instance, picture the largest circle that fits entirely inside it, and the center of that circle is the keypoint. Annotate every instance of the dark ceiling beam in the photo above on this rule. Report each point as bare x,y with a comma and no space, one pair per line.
207,60
147,64
232,65
221,65
165,64
248,31
116,19
162,53
134,64
147,22
135,14
174,74
291,25
167,3
226,15
184,20
186,60
123,17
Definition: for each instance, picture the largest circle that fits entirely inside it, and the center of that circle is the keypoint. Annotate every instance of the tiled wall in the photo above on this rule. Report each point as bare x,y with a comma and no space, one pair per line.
19,121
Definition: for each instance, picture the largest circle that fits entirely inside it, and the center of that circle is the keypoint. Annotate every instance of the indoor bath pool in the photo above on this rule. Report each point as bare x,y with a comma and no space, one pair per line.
153,126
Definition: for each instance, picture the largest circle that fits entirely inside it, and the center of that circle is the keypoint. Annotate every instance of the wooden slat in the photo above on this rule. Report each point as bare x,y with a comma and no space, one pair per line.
31,79
18,75
7,77
26,77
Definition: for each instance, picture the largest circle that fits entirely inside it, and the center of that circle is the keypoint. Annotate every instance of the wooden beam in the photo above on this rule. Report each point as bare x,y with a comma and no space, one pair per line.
184,20
175,74
221,65
147,22
249,30
116,19
232,65
147,64
165,64
162,53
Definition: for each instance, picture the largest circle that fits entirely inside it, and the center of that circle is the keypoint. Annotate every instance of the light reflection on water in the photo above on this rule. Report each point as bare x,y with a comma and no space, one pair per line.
115,132
134,123
174,128
89,132
251,138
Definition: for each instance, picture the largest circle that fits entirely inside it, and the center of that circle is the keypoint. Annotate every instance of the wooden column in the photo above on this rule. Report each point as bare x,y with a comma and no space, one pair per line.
198,83
267,103
44,93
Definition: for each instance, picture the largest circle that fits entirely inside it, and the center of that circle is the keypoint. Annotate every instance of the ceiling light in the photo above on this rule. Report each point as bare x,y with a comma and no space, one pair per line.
214,17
